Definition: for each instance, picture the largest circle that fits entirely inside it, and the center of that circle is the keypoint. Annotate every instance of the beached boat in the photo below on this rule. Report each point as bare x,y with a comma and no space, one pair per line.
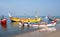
53,23
13,19
48,25
3,21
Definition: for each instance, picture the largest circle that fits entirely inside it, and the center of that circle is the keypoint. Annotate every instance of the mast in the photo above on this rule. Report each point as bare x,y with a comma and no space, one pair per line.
36,14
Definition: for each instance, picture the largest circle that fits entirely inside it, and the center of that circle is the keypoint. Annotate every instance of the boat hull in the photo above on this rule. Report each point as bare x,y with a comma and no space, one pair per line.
3,21
40,26
25,19
14,21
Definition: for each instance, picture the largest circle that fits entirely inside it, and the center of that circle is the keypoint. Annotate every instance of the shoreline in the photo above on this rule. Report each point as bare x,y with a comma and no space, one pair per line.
38,33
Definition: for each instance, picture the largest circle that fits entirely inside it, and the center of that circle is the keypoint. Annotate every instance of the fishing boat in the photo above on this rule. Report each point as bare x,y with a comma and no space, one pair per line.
51,18
13,19
3,20
53,23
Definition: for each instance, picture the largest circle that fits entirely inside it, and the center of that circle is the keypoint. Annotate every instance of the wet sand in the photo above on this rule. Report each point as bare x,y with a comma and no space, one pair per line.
37,33
41,33
54,34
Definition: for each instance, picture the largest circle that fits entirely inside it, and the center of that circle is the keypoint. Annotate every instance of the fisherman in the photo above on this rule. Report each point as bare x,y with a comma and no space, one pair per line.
22,23
28,24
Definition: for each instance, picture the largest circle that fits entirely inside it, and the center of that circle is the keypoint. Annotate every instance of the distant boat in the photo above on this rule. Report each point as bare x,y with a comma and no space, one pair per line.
13,19
50,18
3,21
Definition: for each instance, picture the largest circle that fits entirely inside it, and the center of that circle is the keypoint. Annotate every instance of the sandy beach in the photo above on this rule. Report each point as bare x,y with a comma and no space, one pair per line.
54,34
39,33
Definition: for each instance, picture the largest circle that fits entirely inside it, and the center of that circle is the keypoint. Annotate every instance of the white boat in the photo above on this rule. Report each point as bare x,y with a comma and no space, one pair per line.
40,25
53,23
43,26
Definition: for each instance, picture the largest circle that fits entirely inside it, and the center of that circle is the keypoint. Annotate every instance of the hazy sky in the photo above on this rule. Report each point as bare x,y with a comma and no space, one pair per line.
29,7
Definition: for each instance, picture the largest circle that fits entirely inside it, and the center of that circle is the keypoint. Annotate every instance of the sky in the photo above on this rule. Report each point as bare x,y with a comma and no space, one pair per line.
30,7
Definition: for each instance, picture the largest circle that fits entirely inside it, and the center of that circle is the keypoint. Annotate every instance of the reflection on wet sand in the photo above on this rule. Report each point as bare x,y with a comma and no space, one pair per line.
14,24
4,26
48,29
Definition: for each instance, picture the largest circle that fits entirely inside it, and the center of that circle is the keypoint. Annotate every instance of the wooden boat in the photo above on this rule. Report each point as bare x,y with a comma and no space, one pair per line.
48,25
53,23
13,19
3,21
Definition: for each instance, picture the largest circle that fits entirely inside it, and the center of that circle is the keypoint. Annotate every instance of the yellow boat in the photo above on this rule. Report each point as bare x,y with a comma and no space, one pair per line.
13,19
